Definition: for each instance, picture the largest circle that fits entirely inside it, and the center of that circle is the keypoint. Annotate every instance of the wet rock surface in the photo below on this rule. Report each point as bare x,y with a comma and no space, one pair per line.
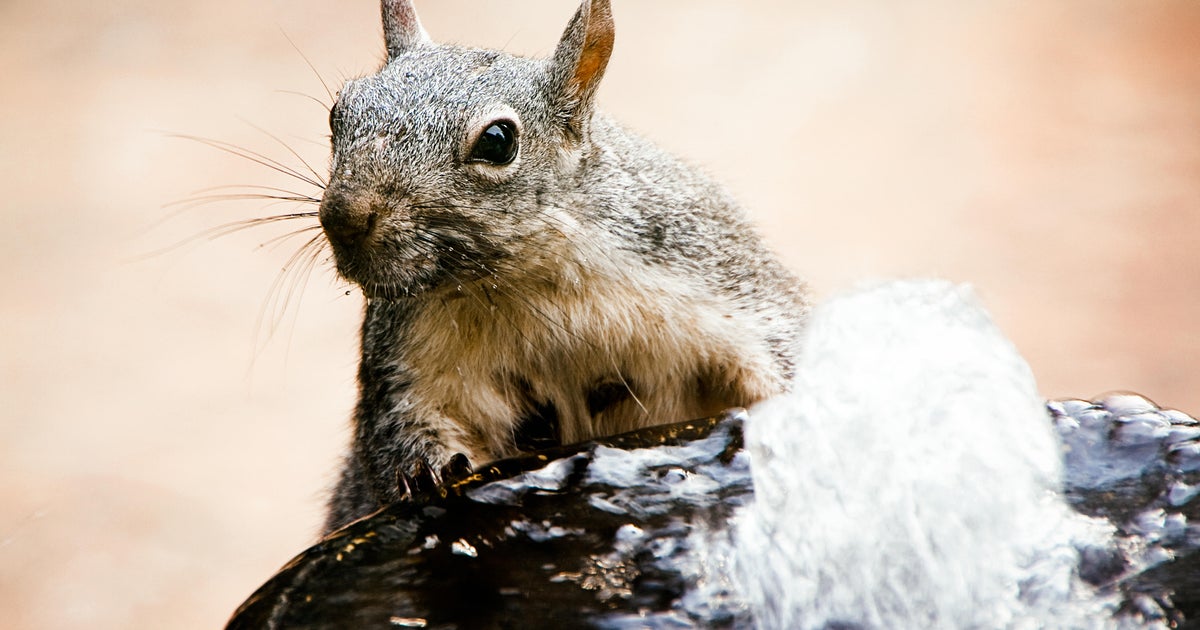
615,533
1137,466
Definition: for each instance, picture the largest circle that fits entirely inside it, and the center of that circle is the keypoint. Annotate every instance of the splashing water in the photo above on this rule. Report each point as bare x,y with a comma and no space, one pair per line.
912,481
915,480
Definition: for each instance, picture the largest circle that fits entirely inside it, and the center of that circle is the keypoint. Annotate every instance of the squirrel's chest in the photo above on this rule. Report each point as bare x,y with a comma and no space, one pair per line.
579,361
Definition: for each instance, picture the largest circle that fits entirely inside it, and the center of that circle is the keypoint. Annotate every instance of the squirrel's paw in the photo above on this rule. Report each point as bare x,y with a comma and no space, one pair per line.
423,478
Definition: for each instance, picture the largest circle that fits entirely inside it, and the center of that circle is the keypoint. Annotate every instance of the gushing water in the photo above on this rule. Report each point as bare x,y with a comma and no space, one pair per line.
913,479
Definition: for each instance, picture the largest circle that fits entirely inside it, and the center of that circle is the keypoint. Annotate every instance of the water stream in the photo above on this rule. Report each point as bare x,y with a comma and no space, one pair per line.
914,480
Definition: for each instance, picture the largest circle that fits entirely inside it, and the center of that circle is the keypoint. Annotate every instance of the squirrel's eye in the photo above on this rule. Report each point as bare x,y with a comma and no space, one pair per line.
497,144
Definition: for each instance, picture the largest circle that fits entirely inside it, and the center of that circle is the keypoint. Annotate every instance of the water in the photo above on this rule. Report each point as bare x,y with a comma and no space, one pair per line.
914,480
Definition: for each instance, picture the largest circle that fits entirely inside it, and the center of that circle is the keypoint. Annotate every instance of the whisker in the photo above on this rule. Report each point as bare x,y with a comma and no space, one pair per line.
324,144
307,96
625,383
282,238
252,156
200,200
321,79
275,189
322,183
274,306
300,282
226,229
242,224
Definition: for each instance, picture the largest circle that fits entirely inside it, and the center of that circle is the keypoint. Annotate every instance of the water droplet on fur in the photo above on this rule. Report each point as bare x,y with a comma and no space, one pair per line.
460,287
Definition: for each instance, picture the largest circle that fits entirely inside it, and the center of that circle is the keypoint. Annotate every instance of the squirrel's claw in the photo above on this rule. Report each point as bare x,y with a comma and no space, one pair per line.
457,468
405,485
422,478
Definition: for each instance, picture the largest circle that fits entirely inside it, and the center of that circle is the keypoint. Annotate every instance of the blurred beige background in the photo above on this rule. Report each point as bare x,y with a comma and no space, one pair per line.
162,452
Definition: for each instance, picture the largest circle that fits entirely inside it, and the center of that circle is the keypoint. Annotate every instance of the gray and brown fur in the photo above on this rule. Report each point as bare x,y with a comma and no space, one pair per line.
593,285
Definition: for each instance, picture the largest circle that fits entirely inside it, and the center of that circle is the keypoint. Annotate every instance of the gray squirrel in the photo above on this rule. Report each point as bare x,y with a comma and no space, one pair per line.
534,273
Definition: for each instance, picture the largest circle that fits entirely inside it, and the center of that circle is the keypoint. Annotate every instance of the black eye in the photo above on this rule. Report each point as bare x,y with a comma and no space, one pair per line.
497,144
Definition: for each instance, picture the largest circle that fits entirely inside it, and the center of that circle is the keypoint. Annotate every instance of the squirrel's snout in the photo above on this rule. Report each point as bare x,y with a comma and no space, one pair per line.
348,223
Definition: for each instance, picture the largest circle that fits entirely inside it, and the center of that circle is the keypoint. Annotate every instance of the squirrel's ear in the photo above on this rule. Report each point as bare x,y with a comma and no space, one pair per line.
401,28
580,59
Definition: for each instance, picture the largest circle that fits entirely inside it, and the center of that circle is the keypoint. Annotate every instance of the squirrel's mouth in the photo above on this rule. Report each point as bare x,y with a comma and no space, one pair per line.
389,280
384,273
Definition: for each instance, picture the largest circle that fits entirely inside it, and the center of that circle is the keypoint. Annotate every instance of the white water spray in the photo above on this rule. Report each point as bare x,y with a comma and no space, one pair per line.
912,480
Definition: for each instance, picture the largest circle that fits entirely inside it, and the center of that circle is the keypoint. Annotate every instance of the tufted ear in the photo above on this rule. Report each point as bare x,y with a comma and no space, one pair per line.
580,59
401,27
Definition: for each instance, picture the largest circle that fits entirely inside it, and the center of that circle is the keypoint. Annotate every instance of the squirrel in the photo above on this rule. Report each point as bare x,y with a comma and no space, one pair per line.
534,273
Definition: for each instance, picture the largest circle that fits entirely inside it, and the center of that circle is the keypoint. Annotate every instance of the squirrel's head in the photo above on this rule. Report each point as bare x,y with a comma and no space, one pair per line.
440,158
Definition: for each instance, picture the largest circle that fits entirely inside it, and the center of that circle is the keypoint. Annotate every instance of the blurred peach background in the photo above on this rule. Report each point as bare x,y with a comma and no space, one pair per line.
163,453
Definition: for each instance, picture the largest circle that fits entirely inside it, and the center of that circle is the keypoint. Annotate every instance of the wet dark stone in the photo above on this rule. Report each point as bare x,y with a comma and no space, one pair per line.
484,552
558,539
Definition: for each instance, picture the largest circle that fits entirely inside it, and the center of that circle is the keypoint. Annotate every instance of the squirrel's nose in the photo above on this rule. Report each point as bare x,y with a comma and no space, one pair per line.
347,222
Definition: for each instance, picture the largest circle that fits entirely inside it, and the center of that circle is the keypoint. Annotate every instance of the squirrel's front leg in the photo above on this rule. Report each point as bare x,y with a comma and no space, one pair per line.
401,442
394,455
